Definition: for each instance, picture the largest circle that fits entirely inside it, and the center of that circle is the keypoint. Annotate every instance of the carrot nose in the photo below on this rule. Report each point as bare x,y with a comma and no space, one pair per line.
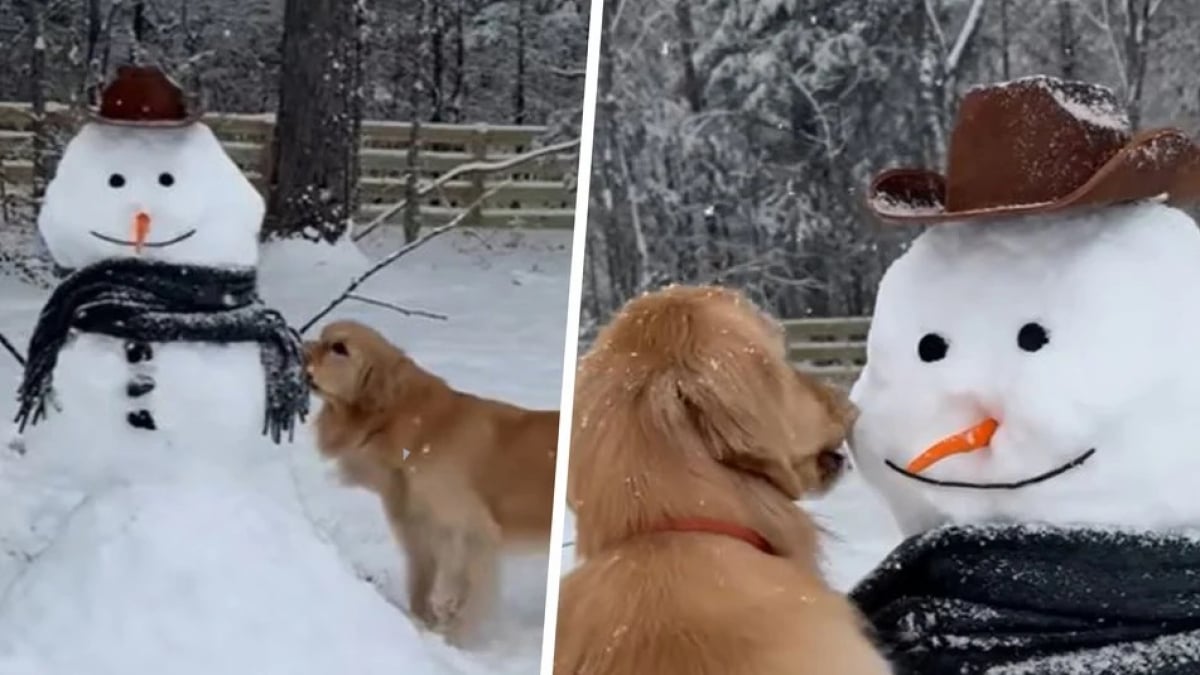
141,229
978,436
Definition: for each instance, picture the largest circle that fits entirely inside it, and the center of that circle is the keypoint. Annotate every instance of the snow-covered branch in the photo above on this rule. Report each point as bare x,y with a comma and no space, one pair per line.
969,29
456,222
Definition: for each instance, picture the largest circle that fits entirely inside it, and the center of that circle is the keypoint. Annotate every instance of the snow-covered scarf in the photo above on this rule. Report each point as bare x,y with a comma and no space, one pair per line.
148,301
1011,600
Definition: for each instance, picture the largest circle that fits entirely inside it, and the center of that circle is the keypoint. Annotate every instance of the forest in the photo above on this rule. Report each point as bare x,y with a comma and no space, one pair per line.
735,138
323,66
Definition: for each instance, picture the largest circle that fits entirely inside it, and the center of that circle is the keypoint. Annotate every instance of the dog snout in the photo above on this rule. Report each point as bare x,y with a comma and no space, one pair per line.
831,464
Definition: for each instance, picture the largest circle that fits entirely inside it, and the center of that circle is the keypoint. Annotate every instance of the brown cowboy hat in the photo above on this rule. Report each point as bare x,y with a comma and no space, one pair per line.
1038,145
143,96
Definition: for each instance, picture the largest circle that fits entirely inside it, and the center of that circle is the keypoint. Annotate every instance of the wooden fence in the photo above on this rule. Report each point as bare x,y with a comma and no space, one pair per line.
834,348
534,194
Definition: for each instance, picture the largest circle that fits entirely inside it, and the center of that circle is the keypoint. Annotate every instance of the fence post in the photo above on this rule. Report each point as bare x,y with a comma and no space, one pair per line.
412,160
479,147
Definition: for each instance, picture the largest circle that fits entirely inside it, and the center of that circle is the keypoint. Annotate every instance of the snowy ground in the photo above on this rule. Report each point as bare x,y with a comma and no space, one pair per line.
505,294
860,531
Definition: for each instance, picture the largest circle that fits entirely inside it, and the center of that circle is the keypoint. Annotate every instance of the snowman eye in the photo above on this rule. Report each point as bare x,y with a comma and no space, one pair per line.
932,347
1032,337
166,179
116,180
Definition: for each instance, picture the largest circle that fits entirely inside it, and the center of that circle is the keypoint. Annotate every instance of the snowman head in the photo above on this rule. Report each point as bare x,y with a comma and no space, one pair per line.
1038,367
146,179
1056,354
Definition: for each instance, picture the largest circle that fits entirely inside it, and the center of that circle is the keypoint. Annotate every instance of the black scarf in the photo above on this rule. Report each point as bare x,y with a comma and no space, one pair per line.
1004,600
150,301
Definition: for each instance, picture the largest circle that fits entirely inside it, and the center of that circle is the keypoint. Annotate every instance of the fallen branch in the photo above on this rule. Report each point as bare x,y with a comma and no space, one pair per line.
8,346
456,222
461,169
403,310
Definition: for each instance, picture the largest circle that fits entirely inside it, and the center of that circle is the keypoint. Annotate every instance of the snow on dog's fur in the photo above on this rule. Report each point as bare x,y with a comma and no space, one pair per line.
460,476
692,437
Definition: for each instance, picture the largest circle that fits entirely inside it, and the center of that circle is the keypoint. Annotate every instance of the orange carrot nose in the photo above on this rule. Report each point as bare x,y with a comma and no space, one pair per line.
978,436
141,229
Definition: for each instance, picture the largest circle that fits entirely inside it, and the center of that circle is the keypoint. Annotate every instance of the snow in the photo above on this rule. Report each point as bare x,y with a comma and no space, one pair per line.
889,205
1118,375
1092,104
216,556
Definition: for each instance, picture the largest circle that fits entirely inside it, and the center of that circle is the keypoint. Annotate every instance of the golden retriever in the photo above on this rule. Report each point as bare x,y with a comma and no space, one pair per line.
460,476
692,437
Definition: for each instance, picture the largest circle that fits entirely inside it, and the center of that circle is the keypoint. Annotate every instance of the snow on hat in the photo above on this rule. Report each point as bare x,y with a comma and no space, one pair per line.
143,96
1039,145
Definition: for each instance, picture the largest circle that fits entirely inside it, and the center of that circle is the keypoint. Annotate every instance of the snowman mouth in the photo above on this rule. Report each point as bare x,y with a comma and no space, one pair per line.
145,244
1009,485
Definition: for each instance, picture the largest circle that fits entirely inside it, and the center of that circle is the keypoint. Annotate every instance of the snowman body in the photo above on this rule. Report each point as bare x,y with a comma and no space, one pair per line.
181,544
1077,333
158,407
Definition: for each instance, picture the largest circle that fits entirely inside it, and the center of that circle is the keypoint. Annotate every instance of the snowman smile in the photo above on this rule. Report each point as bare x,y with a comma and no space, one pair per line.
973,439
147,244
1005,485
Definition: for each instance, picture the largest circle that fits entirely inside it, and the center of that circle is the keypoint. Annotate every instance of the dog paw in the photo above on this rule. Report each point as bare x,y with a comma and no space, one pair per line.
445,609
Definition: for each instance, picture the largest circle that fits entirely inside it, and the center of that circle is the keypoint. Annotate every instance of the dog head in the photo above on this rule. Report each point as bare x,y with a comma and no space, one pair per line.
352,365
689,378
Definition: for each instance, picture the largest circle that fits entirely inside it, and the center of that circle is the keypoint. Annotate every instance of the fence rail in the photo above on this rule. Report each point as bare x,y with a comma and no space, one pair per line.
833,348
535,194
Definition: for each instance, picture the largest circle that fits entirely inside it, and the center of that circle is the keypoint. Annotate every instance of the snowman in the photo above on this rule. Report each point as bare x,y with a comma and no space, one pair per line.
1030,407
157,391
159,330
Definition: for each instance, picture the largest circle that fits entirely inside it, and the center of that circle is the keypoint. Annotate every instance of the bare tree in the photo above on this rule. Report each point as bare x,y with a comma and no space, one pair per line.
37,96
519,116
313,186
1067,40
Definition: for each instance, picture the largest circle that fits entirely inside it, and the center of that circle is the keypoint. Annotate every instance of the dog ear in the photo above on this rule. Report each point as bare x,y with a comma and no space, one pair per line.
737,410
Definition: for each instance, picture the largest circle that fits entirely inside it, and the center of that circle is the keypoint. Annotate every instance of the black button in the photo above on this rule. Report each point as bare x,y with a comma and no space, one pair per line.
141,419
136,352
140,385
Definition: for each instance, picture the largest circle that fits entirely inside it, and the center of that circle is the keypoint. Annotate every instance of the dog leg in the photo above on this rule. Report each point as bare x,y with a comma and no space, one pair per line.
465,581
412,530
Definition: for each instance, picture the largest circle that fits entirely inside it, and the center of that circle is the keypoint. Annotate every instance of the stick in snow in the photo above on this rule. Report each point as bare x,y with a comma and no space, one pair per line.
398,308
469,167
456,222
8,346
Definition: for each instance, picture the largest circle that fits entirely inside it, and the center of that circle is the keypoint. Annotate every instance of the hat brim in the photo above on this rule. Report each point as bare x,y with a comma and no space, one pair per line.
95,116
1163,163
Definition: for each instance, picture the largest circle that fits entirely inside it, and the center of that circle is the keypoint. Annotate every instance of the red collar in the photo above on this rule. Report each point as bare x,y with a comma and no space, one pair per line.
723,527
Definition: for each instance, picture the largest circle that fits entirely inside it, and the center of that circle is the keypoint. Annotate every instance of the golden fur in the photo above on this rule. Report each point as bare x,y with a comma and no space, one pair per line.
686,407
460,476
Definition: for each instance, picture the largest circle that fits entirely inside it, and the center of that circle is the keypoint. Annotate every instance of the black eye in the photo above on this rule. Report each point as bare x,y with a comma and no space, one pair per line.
116,180
932,347
1032,337
166,179
339,348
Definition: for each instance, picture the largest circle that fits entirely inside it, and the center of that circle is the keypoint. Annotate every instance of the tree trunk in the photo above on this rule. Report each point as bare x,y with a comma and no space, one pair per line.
437,40
314,182
1004,64
519,86
459,91
693,91
141,28
95,28
1137,16
1066,40
37,96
